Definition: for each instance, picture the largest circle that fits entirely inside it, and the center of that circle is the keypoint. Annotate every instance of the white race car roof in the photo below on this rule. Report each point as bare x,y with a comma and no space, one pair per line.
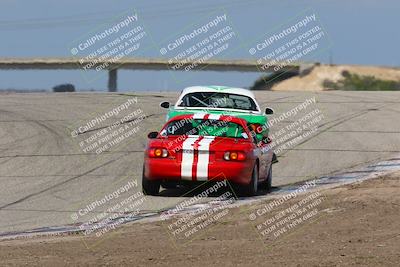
219,89
222,89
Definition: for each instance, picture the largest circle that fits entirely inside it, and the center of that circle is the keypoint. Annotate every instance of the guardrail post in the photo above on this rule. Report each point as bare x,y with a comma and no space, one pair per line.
112,80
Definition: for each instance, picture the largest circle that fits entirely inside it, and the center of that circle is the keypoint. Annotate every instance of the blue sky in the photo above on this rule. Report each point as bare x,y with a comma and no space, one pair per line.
360,32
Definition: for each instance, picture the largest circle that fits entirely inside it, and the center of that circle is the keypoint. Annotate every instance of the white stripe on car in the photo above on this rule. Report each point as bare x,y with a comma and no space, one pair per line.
198,115
204,158
188,157
214,117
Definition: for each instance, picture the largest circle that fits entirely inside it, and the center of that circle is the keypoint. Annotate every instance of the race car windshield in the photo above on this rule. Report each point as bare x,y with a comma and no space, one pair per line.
218,100
203,127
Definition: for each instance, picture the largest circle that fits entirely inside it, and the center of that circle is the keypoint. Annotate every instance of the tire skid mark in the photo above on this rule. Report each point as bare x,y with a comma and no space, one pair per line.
335,122
70,154
60,183
128,121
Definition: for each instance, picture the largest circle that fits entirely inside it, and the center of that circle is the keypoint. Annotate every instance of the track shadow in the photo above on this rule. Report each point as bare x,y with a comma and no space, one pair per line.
191,191
263,192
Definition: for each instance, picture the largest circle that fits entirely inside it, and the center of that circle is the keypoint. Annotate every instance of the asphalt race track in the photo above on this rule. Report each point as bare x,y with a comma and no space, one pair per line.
45,176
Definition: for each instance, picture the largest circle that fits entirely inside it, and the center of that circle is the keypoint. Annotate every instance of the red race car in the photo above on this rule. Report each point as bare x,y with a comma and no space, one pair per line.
203,147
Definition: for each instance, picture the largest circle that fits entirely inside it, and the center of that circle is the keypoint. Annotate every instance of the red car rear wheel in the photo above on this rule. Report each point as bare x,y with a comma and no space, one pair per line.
150,187
252,187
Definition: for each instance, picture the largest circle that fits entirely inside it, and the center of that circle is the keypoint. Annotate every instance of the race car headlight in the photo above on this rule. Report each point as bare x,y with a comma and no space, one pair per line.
158,153
234,156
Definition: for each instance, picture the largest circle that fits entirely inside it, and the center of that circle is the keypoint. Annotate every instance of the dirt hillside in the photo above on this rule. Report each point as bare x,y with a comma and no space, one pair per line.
314,80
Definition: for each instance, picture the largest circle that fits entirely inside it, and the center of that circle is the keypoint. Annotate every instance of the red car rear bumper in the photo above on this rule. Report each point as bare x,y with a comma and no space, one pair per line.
166,169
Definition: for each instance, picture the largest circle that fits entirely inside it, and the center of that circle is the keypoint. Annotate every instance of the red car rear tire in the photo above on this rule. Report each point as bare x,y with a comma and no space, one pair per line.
267,184
150,187
252,188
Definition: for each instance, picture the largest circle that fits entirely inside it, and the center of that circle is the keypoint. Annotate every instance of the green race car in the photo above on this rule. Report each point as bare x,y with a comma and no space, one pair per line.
222,100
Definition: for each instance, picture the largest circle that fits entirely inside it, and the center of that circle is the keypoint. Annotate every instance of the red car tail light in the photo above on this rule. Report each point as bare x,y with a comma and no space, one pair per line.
234,156
158,153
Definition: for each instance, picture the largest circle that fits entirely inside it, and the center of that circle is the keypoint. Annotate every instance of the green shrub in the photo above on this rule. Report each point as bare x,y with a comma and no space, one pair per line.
357,82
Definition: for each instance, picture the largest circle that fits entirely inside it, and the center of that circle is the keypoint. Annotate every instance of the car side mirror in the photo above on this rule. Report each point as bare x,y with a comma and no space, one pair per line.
269,111
164,104
152,135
